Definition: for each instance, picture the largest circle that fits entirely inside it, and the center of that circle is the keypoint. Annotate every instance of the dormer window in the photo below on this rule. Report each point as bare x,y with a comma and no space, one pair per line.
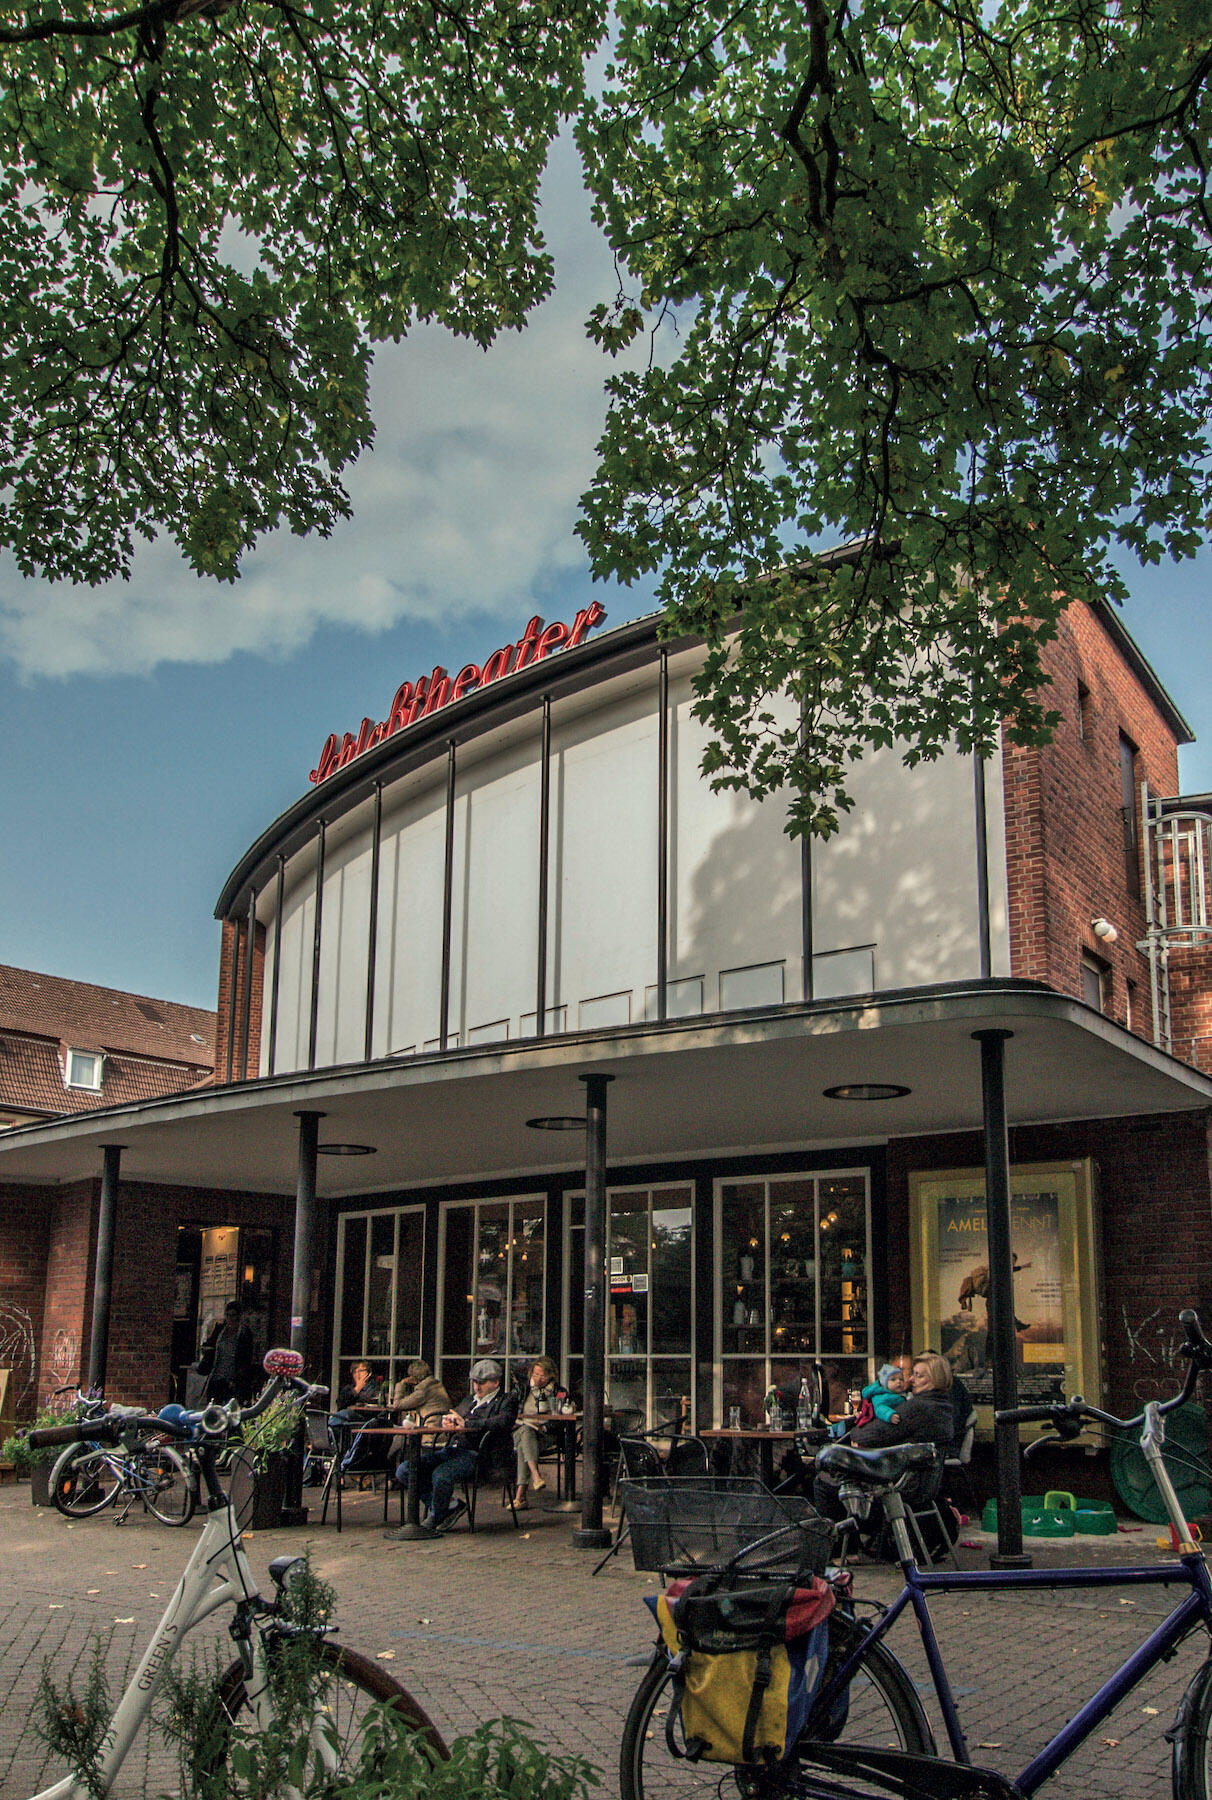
84,1070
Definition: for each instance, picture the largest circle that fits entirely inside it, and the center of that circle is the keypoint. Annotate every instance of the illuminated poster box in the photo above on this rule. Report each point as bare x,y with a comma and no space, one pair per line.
1054,1241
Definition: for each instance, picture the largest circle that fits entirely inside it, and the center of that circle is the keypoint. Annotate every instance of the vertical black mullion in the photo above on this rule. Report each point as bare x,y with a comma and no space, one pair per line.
540,1000
806,896
372,929
663,839
231,998
273,1001
447,897
982,867
250,946
315,949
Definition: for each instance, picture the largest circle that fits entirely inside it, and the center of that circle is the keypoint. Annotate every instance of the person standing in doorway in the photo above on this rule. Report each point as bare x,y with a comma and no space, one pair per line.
233,1370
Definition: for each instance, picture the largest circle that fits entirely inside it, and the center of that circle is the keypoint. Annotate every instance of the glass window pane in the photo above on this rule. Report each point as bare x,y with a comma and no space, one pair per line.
492,1280
745,1386
793,1267
843,1266
627,1385
576,1292
671,1251
380,1283
743,1269
529,1239
410,1270
670,1390
627,1250
457,1298
353,1283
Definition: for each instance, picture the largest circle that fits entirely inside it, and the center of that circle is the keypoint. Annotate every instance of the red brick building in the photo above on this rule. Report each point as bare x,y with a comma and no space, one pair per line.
516,878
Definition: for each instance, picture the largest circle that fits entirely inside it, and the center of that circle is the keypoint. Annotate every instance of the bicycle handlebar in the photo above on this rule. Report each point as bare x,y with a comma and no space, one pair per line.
212,1422
1066,1417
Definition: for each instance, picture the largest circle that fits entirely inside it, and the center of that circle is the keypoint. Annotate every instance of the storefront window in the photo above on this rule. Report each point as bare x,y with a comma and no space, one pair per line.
794,1271
649,1251
380,1271
493,1254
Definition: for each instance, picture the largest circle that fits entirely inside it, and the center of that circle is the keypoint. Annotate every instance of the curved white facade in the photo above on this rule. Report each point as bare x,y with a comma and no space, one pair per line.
893,900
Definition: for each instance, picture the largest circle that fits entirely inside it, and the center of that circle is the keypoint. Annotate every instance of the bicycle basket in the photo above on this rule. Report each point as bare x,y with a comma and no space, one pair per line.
692,1523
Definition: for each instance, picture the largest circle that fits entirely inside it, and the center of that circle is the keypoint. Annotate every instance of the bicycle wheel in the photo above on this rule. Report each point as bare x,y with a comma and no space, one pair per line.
84,1481
351,1687
883,1710
1192,1763
167,1484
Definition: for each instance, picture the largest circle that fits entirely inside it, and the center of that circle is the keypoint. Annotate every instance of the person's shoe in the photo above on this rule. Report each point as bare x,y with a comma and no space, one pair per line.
456,1511
405,1535
520,1501
537,1482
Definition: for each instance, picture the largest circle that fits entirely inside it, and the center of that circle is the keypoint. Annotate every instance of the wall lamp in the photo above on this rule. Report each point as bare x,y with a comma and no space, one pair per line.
1104,929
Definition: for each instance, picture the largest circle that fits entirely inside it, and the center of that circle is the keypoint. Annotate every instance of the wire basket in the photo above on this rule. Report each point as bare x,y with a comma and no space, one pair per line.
692,1523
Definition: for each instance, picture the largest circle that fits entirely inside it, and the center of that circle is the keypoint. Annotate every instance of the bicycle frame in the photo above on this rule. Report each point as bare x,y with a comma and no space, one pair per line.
1191,1612
216,1575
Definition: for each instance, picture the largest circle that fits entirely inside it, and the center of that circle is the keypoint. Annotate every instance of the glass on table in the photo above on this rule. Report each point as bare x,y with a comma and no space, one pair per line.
734,1418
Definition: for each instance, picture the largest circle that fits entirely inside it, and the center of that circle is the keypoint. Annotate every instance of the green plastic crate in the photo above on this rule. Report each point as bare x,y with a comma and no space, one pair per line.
1038,1520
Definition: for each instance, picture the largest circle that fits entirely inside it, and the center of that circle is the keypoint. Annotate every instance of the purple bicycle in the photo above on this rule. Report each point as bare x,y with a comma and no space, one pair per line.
867,1734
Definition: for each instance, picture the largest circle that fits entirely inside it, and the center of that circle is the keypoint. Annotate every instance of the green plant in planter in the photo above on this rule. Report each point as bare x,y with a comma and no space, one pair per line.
17,1449
277,1429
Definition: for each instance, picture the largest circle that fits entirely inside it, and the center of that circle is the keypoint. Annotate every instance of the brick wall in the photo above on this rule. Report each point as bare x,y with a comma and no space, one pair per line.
67,1313
233,949
1064,827
24,1237
1153,1182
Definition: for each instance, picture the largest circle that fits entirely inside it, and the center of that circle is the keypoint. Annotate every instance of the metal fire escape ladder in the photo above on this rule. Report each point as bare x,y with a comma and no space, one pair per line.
1178,906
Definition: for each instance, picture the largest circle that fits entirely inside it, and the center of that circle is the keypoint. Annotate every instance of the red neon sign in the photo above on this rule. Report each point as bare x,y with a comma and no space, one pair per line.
430,693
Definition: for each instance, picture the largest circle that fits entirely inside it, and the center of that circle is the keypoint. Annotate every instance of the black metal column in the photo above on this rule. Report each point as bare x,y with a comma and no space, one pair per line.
273,998
663,840
447,899
540,995
372,926
1003,1345
305,1229
592,1535
103,1270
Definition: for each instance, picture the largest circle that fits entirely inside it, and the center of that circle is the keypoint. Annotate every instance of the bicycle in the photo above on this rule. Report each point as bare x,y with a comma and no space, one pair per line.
89,1477
885,1744
218,1575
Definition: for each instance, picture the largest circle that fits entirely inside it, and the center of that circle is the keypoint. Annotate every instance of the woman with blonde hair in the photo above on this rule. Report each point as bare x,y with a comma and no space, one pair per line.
540,1401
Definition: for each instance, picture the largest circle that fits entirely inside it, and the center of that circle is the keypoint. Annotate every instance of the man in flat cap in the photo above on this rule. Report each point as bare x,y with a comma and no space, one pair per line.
441,1469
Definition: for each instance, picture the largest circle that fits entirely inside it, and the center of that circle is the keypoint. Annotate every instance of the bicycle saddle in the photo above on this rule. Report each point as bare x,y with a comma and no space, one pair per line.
879,1467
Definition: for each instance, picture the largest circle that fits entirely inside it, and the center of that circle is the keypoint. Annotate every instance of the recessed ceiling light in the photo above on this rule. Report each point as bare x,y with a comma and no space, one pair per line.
867,1090
558,1122
346,1150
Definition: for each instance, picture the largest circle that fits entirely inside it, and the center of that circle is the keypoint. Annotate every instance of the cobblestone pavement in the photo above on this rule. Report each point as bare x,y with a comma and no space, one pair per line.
507,1622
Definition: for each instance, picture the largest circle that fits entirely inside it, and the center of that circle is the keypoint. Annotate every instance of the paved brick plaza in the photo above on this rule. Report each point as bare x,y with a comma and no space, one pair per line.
505,1622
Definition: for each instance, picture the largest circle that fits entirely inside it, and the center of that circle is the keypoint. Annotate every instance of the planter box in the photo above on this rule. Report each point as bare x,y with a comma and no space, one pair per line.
39,1484
260,1495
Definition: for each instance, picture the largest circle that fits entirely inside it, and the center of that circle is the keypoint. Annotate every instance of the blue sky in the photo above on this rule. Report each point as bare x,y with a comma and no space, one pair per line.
153,729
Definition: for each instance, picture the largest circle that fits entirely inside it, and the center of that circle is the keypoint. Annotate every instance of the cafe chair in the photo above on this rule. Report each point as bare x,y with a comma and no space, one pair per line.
496,1466
688,1456
955,1466
639,1458
322,1461
926,1523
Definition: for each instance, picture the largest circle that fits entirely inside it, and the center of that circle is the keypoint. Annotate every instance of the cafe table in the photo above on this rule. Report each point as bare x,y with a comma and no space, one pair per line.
762,1437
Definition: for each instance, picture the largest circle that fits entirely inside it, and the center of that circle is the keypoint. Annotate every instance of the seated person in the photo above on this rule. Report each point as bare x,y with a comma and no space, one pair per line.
440,1468
540,1398
362,1390
925,1418
359,1403
419,1391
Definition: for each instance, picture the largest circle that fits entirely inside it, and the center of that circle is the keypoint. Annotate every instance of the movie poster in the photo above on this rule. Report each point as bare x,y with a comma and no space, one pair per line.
1055,1303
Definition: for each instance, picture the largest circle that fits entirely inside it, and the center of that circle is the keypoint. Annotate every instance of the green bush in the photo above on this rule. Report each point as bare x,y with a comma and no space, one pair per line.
16,1449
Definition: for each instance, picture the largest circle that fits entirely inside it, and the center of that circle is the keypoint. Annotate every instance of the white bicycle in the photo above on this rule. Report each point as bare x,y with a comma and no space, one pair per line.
218,1575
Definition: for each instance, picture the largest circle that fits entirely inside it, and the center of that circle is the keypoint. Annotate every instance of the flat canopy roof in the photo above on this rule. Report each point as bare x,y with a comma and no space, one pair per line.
702,1087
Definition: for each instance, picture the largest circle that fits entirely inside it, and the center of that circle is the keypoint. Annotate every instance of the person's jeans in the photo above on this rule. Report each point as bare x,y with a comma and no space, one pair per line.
440,1470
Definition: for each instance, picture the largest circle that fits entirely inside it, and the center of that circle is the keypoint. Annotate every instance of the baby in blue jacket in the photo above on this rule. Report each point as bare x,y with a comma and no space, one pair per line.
882,1399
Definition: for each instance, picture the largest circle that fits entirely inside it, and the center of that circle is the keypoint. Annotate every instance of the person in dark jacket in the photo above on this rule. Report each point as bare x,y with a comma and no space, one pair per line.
926,1417
487,1405
229,1359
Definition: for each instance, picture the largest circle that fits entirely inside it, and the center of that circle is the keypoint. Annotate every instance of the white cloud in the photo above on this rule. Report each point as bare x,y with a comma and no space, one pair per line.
466,503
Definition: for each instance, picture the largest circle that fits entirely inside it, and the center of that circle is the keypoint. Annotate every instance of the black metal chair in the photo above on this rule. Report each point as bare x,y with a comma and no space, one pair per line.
688,1456
496,1465
323,1456
638,1458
